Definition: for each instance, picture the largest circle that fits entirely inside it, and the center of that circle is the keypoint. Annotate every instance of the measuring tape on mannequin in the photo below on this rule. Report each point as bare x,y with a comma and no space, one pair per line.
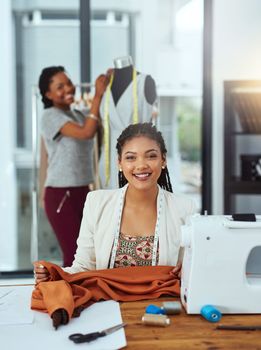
135,120
156,234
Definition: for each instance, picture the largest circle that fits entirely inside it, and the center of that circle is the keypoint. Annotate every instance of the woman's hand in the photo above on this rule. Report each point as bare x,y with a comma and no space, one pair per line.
101,84
177,269
41,274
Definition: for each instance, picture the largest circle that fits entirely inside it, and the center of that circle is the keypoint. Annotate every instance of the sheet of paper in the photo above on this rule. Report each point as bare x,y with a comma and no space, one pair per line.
42,335
15,305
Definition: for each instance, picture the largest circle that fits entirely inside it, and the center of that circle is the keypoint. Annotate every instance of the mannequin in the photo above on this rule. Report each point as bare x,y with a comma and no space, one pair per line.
129,98
123,68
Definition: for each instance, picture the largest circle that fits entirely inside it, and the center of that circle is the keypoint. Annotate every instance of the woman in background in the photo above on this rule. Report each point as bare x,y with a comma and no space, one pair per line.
68,139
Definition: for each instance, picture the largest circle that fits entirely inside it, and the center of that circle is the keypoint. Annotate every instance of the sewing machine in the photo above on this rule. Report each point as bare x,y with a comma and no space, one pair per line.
221,265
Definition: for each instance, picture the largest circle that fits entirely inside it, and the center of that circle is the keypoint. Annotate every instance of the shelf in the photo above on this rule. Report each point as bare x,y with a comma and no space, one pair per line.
242,131
237,186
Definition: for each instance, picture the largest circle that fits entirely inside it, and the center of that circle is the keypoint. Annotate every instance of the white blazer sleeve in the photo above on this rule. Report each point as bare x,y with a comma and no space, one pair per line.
85,258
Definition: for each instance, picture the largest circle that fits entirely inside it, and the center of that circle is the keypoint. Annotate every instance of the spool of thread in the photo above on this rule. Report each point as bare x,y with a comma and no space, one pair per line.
171,307
153,309
155,320
210,313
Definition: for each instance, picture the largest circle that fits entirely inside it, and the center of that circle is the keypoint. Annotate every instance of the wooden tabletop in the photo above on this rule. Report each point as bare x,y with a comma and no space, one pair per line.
187,331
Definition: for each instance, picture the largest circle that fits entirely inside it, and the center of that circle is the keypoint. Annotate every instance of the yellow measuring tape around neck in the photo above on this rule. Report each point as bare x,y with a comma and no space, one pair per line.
107,132
135,120
135,116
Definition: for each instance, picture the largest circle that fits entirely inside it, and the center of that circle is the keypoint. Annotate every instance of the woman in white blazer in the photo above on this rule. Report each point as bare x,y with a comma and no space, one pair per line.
139,223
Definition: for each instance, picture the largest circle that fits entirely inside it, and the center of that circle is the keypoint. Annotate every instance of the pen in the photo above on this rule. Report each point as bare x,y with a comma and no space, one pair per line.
239,328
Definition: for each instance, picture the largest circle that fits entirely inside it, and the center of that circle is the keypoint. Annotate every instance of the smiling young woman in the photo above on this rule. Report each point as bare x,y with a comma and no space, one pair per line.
67,137
141,162
139,223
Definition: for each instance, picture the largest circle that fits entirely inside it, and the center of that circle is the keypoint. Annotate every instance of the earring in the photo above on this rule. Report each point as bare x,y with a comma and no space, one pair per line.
120,170
163,167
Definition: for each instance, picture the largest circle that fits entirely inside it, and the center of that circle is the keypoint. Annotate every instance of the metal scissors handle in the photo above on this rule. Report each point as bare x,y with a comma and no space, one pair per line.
82,338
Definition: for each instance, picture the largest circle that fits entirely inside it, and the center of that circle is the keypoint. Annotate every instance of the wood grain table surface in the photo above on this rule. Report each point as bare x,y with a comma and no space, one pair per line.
187,331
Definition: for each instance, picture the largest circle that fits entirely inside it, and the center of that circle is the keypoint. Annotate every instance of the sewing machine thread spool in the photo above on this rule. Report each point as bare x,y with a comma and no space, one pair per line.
210,313
153,309
171,307
155,320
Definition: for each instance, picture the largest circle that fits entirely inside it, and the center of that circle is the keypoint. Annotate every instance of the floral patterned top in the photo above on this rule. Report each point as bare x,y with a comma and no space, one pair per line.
134,251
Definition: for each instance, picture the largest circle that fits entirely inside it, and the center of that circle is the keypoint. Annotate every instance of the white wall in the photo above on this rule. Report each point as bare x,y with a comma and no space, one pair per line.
236,55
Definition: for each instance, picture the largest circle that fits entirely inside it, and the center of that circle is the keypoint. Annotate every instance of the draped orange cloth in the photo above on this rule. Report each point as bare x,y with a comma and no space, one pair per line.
71,291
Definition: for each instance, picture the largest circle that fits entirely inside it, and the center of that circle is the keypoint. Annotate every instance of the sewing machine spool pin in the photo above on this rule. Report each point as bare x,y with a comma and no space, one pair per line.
155,320
210,313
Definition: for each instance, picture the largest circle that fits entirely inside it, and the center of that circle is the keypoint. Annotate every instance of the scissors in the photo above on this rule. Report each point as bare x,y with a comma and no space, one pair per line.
82,338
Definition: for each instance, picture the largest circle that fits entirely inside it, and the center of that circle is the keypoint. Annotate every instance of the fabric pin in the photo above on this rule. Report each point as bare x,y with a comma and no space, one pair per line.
210,313
155,320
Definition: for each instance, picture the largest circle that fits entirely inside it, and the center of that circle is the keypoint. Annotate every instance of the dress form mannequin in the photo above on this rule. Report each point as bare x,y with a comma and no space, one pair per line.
123,69
129,98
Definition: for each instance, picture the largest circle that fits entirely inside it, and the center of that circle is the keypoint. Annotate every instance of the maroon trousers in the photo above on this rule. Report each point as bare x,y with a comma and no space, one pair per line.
64,208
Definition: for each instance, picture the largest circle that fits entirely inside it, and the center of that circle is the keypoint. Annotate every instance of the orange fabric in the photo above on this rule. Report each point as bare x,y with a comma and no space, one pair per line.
69,291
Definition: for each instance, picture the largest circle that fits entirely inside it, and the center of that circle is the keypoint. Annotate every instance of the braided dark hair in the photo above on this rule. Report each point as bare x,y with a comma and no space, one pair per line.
150,131
44,82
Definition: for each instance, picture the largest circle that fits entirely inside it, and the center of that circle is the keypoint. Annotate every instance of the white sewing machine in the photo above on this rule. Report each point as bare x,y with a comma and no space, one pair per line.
221,265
